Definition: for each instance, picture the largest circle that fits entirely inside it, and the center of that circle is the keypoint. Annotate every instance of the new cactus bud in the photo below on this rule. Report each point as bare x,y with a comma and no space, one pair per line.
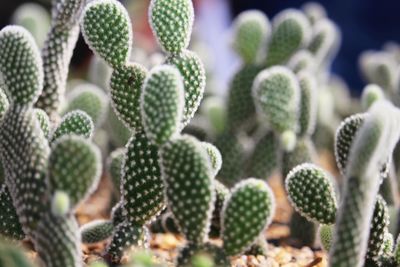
90,99
370,95
171,22
113,44
240,106
288,140
9,226
276,93
312,193
44,121
74,159
290,32
162,103
96,231
141,183
23,82
186,157
303,60
188,254
75,122
308,104
60,203
264,159
246,214
372,146
251,31
214,156
345,135
194,80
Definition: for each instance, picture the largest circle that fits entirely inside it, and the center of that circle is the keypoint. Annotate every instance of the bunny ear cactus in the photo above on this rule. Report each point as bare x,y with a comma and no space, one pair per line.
214,156
75,122
194,80
188,179
290,32
314,12
373,144
57,53
302,60
96,231
171,22
276,94
90,99
312,193
246,214
44,121
251,31
308,104
371,93
113,44
326,236
162,109
113,166
10,227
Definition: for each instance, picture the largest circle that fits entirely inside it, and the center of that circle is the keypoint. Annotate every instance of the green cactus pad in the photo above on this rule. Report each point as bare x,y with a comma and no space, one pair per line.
162,103
345,135
308,104
20,65
96,231
302,60
251,31
325,41
9,226
74,167
373,144
194,184
240,103
233,153
90,99
114,165
246,214
276,93
312,193
379,226
314,11
126,237
326,236
44,121
25,163
264,158
126,87
57,53
214,156
171,22
113,44
194,80
290,32
141,183
56,241
75,122
188,254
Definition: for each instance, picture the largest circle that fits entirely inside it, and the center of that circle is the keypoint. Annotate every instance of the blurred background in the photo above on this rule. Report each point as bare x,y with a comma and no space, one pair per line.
365,24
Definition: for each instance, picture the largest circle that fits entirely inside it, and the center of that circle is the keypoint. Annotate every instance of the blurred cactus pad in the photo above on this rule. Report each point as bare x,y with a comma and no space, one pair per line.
143,156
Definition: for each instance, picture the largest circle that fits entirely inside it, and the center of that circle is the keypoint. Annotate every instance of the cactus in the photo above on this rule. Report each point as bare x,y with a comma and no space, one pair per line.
371,93
57,53
326,236
290,32
180,191
113,166
308,104
13,256
172,23
251,31
276,94
302,60
371,148
75,122
90,99
44,121
9,227
45,211
246,213
312,193
167,102
314,12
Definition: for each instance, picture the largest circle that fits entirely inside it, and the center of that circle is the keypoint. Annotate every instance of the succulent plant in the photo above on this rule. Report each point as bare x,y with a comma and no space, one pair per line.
96,231
371,93
57,53
75,122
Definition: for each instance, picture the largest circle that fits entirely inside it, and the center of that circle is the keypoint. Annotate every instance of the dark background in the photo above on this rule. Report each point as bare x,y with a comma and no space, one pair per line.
365,24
